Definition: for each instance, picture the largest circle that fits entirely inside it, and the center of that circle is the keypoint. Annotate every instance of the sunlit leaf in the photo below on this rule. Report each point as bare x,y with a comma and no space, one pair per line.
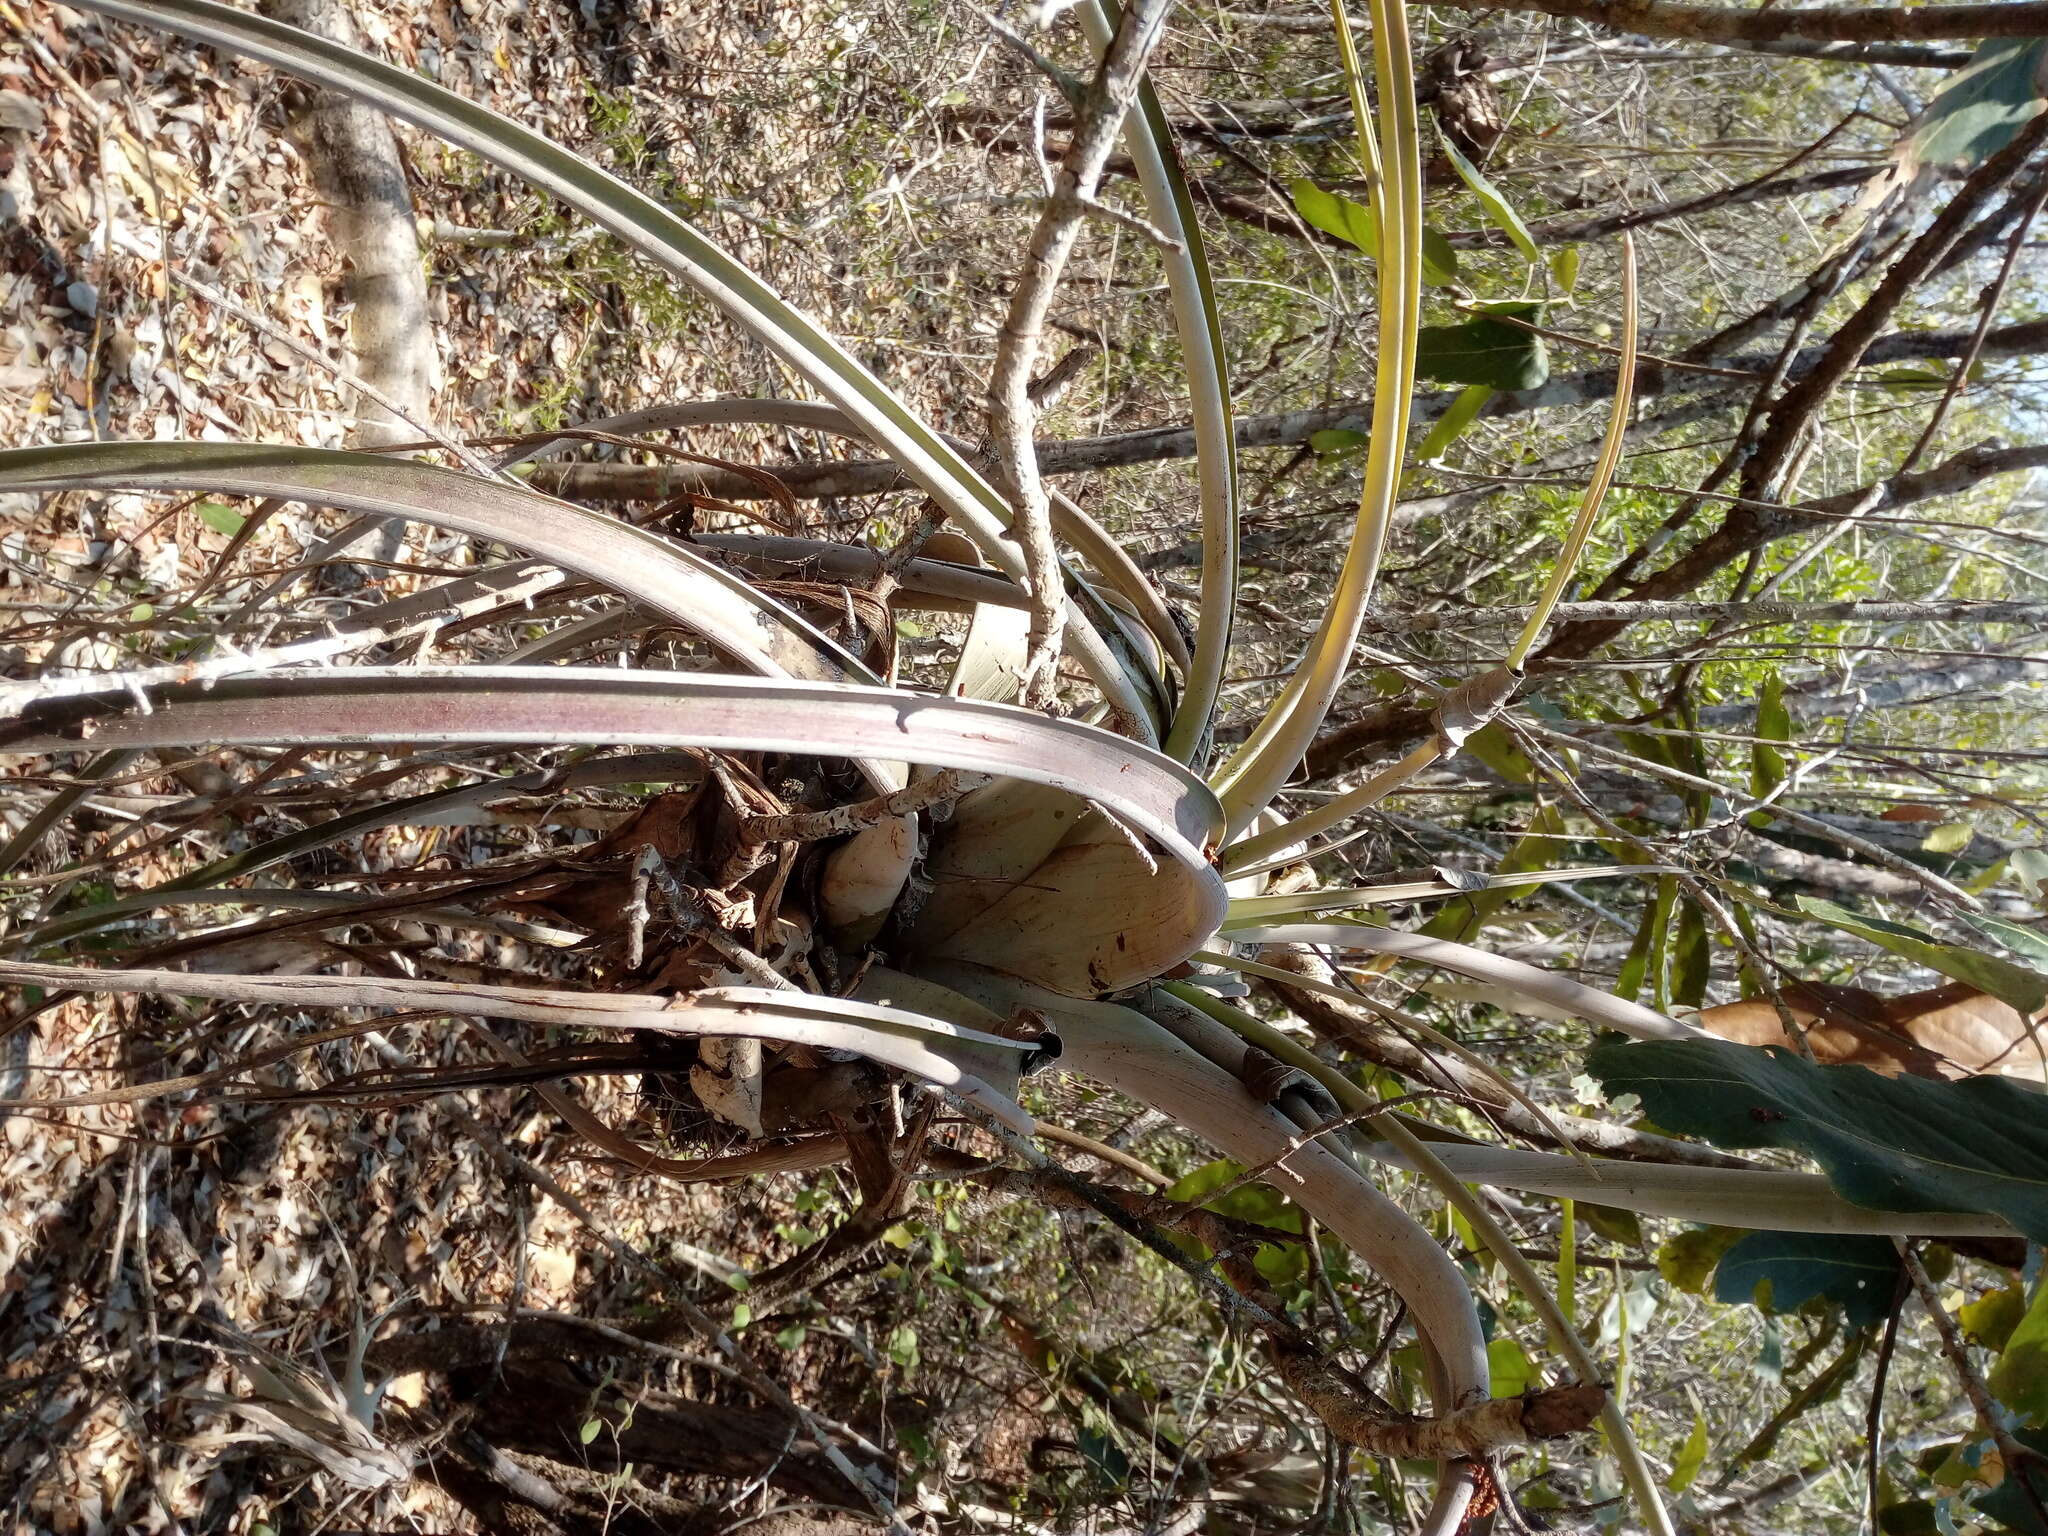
2030,868
1767,768
1450,426
2020,1379
1949,837
1485,350
1564,267
2014,937
1335,214
2024,989
220,517
1499,211
1992,1317
1891,1144
1691,1456
1688,1260
1979,109
1508,1365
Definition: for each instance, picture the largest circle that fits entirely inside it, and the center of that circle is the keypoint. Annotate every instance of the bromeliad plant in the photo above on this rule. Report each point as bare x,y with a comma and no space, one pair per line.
936,882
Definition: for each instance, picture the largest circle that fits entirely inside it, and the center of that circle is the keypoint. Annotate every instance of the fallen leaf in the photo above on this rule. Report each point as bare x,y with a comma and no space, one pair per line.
1910,812
1969,1031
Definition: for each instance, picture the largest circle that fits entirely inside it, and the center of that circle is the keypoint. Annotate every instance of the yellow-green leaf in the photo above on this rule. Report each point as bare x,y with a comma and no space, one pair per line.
1564,266
1767,767
2020,1379
1508,1367
220,517
1499,211
1335,214
1451,426
2025,989
1949,837
1691,1456
1687,1260
1991,1318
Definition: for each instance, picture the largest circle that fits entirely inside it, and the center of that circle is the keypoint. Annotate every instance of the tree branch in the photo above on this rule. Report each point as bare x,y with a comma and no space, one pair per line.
1011,410
1820,24
1280,429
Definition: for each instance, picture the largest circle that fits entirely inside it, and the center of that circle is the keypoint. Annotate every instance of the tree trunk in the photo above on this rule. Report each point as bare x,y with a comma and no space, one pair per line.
354,159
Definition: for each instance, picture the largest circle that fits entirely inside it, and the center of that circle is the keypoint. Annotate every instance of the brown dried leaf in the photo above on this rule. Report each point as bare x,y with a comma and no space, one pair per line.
1954,1029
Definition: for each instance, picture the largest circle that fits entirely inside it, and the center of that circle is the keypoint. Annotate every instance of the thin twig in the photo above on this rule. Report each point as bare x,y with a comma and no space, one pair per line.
2017,1458
947,785
690,914
1011,414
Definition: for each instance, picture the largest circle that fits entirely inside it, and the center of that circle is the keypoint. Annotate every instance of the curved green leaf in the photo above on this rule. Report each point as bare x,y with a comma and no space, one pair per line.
653,229
1484,351
1861,1274
1981,108
1335,214
1889,1144
1499,211
2021,1376
2024,989
1451,426
1150,140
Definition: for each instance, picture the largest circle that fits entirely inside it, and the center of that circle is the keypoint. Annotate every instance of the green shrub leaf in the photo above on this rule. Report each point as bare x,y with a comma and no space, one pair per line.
1337,215
2024,989
1888,1144
1688,1260
1439,258
1499,211
2021,1376
1451,426
1691,1456
1982,107
1484,350
1859,1273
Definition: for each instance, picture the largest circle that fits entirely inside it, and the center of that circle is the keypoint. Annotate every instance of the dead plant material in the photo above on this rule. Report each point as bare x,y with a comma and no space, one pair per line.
1954,1030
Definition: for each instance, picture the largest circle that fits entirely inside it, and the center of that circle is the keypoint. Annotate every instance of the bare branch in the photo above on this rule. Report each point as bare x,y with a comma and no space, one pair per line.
1011,411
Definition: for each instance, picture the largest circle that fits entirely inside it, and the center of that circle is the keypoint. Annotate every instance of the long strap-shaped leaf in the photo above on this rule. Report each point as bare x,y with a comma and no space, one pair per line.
1731,1197
1267,758
1075,527
1589,1002
654,230
673,581
1149,792
963,1060
1150,141
1122,1048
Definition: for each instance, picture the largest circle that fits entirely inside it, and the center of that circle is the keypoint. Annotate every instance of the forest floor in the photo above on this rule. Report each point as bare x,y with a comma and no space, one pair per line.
167,272
132,163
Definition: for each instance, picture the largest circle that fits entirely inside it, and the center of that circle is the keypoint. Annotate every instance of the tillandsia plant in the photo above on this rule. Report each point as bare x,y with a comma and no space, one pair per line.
839,880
